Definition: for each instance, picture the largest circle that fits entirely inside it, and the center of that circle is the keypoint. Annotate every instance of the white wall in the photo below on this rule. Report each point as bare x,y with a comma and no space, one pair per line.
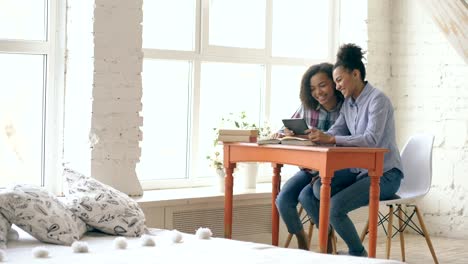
412,61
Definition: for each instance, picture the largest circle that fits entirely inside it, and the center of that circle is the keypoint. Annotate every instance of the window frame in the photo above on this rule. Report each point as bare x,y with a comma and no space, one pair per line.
53,50
210,53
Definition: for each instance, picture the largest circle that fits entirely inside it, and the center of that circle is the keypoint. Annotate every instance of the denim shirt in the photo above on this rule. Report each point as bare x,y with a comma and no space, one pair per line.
368,121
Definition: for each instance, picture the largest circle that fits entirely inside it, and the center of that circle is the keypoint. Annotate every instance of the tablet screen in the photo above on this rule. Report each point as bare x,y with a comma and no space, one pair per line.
297,125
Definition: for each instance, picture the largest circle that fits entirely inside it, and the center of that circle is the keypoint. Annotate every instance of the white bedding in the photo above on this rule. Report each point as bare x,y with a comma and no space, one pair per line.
190,250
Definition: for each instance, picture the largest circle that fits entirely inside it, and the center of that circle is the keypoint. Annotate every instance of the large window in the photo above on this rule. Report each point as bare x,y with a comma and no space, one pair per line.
205,59
29,113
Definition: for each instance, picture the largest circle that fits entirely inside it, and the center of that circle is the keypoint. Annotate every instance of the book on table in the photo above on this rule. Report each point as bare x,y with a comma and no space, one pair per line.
238,135
239,132
237,138
288,140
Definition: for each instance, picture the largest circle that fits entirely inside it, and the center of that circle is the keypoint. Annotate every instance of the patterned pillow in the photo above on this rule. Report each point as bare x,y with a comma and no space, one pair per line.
41,214
5,225
103,207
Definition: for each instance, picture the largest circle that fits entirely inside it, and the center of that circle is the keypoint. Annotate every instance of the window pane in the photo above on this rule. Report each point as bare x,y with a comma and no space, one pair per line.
239,23
169,24
285,89
22,89
166,86
23,19
300,28
226,88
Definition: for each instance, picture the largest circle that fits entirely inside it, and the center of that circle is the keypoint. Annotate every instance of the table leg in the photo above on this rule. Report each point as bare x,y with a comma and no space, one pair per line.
228,187
374,195
275,185
325,190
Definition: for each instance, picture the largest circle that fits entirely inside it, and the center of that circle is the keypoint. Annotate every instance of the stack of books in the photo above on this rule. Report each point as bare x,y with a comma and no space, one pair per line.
238,135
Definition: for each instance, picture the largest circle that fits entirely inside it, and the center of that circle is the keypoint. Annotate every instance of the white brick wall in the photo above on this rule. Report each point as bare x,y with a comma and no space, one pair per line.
118,60
427,83
104,90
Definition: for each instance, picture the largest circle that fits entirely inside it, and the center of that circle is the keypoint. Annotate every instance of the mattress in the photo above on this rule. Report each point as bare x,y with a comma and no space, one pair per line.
191,249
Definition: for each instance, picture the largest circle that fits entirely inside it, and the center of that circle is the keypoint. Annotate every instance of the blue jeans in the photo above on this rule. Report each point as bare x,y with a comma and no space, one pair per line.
287,199
348,192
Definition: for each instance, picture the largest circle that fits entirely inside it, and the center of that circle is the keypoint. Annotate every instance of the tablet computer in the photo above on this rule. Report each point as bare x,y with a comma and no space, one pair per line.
297,125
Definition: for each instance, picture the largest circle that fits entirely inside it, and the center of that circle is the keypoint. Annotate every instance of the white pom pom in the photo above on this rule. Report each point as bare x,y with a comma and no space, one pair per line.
80,247
147,241
12,234
120,243
40,252
176,236
2,256
204,233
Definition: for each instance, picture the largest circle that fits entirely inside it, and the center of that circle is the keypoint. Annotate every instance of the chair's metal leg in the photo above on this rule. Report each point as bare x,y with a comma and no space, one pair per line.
389,233
364,231
402,238
426,234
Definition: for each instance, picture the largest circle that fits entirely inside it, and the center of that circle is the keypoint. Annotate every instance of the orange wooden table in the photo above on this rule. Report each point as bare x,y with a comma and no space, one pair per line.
324,159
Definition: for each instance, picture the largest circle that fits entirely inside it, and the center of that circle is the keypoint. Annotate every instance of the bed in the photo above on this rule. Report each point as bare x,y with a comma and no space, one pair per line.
191,249
45,223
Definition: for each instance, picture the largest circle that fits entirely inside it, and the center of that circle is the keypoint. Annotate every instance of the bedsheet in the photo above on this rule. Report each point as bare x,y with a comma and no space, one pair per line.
190,250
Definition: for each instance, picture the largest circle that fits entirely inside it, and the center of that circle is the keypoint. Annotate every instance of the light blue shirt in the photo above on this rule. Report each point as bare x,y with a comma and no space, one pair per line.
368,121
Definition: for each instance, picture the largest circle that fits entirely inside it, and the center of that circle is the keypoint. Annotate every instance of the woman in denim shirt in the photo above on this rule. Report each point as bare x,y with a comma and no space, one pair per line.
366,120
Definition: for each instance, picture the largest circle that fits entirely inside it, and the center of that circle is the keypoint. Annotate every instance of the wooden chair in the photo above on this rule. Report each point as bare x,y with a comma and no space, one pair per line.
416,158
306,219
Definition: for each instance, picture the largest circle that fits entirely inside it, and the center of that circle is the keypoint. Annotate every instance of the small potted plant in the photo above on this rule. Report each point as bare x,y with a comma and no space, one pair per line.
215,161
237,121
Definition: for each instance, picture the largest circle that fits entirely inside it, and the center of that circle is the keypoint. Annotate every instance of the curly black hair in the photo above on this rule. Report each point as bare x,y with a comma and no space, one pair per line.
350,57
307,100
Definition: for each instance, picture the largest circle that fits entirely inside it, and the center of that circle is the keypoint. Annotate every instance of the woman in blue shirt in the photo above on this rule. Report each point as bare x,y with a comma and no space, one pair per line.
320,107
366,120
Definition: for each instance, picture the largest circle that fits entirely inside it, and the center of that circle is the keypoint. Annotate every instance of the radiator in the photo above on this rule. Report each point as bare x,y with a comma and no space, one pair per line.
248,220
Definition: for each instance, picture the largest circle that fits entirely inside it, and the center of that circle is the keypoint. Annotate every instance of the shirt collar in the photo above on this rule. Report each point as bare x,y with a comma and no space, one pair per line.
337,107
362,97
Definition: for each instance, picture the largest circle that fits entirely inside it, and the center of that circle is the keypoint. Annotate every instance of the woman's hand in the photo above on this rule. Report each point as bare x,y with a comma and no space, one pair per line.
276,135
286,133
316,135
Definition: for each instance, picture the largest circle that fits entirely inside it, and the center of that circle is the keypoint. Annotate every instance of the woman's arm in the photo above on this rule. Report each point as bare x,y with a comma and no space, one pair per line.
339,127
377,117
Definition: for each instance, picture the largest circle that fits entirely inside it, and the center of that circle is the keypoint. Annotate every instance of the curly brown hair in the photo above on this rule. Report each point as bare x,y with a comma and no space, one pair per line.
307,100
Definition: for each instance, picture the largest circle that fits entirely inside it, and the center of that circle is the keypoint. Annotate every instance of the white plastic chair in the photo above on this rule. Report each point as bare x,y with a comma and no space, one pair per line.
416,158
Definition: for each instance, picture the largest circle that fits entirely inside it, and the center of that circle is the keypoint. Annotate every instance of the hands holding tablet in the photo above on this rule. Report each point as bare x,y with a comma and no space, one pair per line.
298,127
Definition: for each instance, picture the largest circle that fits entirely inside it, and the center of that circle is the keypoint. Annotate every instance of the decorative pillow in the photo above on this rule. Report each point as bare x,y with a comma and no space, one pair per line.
103,207
41,214
5,225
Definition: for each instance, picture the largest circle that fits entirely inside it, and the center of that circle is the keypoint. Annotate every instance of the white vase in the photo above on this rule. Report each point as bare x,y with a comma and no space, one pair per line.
247,174
220,174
